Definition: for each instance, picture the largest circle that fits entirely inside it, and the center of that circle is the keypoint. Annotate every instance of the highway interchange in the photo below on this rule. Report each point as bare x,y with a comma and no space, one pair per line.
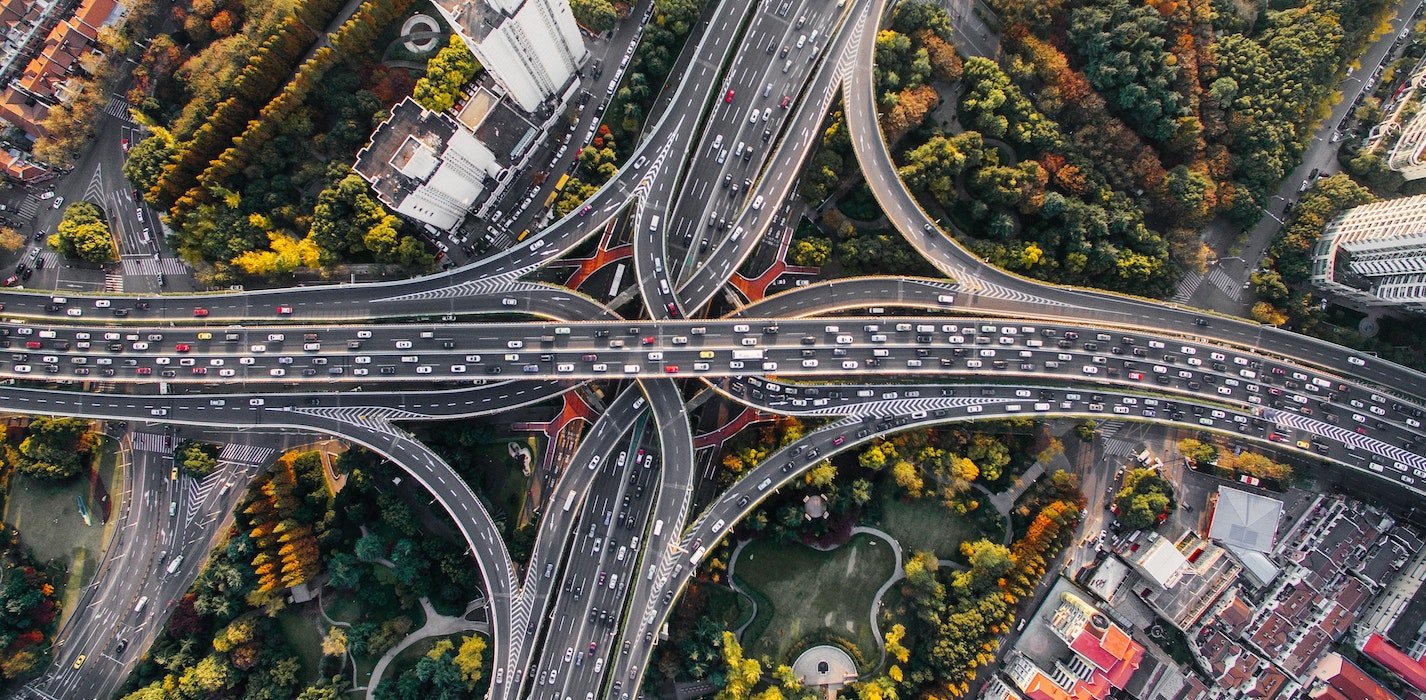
617,540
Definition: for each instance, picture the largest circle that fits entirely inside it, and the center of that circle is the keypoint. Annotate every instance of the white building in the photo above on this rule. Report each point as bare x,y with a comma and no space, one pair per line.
1375,255
531,47
427,166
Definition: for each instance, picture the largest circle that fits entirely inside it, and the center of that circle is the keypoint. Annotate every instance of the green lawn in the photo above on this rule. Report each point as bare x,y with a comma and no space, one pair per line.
727,607
812,591
299,626
924,524
48,517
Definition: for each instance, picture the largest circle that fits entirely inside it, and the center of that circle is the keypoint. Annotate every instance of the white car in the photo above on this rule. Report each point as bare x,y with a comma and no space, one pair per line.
228,372
1357,361
247,360
74,312
457,369
974,409
101,303
423,369
277,372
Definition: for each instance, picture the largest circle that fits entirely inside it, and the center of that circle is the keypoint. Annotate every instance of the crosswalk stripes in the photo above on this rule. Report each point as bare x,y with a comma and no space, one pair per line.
149,266
245,454
1226,284
1118,448
150,442
119,109
1108,429
50,257
1186,287
113,282
1350,438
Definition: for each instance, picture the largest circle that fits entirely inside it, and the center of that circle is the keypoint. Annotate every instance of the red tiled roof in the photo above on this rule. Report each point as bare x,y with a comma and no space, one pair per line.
1395,660
1344,680
28,117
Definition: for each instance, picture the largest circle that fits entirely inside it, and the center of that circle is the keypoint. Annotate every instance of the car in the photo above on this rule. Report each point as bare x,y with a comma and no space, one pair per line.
284,311
786,100
79,662
837,441
121,646
728,97
74,312
182,347
58,202
101,303
670,369
648,340
1357,361
200,312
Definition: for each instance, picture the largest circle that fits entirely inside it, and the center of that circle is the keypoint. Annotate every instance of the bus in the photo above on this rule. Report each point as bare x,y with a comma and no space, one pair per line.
555,193
569,501
523,235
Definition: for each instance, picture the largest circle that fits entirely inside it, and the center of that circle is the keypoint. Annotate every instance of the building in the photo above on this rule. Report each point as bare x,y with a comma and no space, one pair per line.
1097,657
1180,580
1375,255
1336,678
532,48
1411,671
1243,520
427,166
51,76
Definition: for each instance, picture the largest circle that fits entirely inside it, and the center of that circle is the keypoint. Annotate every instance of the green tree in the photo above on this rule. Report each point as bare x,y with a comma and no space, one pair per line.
1144,498
196,459
146,160
812,251
1198,451
598,15
447,74
56,448
84,234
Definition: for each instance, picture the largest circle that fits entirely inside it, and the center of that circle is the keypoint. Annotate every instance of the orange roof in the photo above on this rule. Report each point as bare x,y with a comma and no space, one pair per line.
15,108
93,13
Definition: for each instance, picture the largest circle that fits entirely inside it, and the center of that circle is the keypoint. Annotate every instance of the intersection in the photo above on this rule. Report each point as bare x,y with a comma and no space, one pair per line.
872,355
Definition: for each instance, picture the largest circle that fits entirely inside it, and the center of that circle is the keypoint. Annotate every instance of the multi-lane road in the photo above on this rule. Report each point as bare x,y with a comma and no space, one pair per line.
710,179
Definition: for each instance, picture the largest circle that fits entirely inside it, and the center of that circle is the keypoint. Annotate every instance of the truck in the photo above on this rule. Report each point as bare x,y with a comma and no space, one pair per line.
173,565
754,354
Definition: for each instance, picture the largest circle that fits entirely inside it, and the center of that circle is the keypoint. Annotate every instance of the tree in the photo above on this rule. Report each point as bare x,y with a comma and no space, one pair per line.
470,659
196,459
447,74
10,240
1145,498
1198,452
908,477
812,251
598,15
335,642
84,234
821,475
56,448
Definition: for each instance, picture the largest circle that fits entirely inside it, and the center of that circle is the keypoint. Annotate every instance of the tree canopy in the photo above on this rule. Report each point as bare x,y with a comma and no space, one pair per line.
84,234
447,74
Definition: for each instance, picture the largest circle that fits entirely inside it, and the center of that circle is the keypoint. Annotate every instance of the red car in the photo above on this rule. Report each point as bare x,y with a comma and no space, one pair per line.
785,101
145,370
11,281
671,369
284,310
200,313
200,370
729,97
181,347
34,344
839,440
648,340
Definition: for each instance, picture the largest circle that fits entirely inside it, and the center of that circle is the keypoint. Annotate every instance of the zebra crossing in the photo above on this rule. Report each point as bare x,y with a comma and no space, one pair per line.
150,442
1225,284
113,282
1115,447
1108,429
246,454
118,108
148,266
1187,286
50,257
374,419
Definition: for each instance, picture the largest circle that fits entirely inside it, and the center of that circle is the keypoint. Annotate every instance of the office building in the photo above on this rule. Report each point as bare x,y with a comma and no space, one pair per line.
1375,255
532,48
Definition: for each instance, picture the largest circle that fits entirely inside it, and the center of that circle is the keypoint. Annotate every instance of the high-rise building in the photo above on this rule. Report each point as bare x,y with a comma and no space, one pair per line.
1375,255
1100,657
531,47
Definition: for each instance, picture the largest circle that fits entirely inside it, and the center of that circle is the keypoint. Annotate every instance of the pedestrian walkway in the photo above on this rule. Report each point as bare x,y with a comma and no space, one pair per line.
118,108
49,257
113,282
150,442
246,454
437,625
149,266
1186,287
1225,284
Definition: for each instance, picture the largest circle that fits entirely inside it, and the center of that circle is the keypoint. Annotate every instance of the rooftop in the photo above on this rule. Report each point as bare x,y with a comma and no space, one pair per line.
1245,520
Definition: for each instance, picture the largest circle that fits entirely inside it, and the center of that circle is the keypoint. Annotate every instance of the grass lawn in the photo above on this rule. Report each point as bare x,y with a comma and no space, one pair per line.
727,607
924,524
48,517
410,655
811,590
299,626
